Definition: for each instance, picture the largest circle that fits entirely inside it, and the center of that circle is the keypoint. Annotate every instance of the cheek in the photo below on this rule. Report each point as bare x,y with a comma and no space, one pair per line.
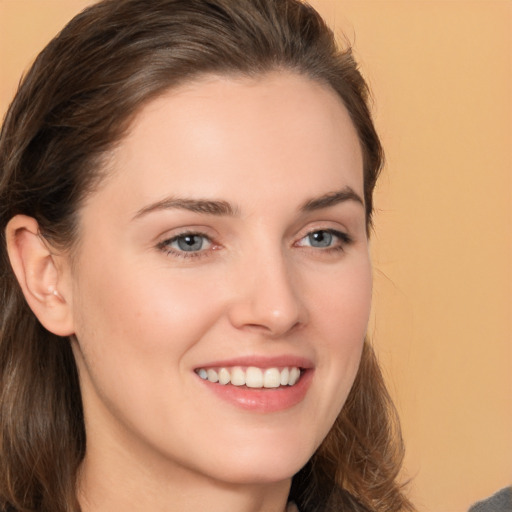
135,325
341,312
341,302
135,335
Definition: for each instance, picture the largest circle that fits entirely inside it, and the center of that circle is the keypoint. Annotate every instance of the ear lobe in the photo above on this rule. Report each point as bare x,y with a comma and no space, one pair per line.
39,275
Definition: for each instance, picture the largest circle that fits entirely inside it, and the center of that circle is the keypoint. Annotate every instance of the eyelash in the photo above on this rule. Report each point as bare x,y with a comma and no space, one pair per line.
343,240
165,245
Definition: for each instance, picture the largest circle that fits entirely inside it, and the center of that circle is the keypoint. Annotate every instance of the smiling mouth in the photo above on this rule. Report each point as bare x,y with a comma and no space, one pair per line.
252,376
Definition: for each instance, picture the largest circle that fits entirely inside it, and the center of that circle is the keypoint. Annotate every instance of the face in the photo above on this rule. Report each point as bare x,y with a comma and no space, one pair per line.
227,246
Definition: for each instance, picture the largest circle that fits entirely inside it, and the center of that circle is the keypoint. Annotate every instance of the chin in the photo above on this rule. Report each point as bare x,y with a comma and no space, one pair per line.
259,474
262,464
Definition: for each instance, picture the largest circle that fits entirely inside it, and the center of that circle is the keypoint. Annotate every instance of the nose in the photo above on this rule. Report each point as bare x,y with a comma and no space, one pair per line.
266,296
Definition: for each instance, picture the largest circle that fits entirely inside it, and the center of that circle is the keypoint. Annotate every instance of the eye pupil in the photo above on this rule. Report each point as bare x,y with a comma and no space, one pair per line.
190,242
320,239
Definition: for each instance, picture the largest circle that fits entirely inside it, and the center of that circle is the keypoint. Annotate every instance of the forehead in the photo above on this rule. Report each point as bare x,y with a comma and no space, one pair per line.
235,136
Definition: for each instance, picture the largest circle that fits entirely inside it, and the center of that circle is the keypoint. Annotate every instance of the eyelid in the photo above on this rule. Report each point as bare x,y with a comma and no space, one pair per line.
330,225
165,244
343,237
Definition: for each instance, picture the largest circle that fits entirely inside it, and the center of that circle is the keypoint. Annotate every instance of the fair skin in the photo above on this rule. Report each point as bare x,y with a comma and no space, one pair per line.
264,176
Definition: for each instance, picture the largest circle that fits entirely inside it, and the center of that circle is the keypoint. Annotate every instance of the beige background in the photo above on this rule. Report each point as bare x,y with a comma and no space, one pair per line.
441,73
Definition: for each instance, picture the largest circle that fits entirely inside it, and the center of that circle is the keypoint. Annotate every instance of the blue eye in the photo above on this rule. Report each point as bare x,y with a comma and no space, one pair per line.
190,243
320,239
325,239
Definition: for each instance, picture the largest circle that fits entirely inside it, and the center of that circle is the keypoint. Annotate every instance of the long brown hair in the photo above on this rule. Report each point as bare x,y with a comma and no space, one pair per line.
71,109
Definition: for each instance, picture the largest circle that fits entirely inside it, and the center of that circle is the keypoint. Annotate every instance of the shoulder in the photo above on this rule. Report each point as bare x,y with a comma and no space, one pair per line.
499,502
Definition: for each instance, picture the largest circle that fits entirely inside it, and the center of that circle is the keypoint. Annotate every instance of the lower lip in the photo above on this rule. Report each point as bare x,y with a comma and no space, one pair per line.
263,399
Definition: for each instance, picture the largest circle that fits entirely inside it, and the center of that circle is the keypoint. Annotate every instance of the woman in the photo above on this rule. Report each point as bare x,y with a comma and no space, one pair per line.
186,196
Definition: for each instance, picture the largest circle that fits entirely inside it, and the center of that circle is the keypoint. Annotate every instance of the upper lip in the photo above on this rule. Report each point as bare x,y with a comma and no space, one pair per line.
261,362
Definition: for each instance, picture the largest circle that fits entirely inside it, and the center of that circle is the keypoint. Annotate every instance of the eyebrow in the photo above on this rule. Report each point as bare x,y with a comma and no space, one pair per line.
332,199
210,207
223,208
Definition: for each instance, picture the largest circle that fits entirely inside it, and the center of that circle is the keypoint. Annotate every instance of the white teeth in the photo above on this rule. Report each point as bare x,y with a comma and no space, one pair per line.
224,376
285,375
252,377
294,376
237,377
213,376
271,378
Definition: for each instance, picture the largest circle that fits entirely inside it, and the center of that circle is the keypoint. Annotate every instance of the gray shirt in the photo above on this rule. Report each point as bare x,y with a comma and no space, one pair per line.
499,502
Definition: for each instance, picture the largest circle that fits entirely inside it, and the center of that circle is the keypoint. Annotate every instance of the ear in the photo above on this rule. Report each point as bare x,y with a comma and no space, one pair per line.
40,273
